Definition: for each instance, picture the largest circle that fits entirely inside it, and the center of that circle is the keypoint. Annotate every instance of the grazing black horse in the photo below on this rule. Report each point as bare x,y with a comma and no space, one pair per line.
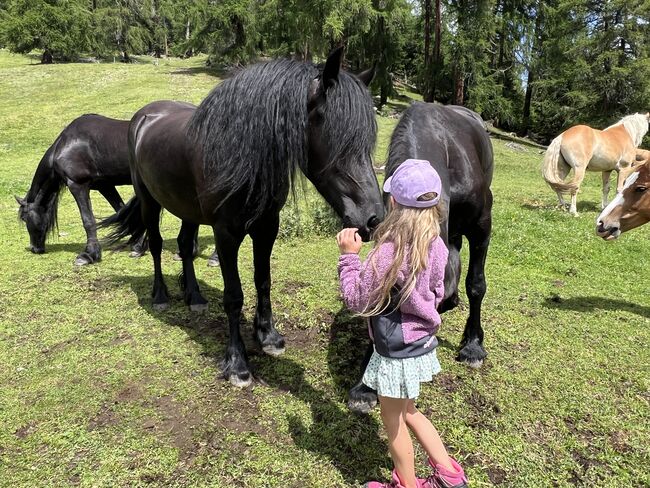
454,140
90,154
230,164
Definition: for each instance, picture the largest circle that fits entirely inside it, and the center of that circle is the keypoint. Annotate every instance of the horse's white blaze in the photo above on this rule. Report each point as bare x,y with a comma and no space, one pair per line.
619,197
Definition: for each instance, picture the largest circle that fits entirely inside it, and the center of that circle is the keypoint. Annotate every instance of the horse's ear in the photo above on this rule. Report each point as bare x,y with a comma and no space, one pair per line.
367,76
332,68
21,201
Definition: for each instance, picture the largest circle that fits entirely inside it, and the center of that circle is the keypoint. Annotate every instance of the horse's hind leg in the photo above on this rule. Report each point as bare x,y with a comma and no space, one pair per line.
263,234
235,366
112,196
190,287
606,177
472,351
151,218
213,260
93,252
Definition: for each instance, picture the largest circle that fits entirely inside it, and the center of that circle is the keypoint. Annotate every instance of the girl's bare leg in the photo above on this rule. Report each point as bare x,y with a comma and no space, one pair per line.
427,436
393,415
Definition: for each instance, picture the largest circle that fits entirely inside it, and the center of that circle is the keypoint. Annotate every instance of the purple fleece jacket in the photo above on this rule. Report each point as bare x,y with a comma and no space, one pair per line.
419,315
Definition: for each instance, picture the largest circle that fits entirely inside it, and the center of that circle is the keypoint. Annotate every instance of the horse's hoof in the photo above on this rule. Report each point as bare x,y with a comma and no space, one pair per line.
136,254
159,307
362,399
213,263
199,307
177,257
472,354
82,261
273,350
241,380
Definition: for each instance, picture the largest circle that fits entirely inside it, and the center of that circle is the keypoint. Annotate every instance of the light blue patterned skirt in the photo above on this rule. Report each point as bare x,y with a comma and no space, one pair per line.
400,378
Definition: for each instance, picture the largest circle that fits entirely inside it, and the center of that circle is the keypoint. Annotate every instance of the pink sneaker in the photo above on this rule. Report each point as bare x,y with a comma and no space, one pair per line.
444,478
396,483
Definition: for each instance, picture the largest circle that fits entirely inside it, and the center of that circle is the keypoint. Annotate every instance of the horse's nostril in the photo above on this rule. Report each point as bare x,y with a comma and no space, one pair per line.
373,222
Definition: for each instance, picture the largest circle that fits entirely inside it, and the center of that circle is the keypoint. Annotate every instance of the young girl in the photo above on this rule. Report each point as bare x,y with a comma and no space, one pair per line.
398,288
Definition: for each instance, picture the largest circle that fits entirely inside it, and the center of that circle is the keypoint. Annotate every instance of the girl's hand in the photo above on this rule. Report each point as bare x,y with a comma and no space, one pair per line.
349,241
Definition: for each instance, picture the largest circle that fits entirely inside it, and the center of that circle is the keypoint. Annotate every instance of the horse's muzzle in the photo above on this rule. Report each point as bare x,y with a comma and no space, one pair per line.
607,233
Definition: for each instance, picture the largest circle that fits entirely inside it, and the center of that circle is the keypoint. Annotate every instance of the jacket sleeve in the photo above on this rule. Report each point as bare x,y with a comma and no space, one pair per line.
438,263
358,280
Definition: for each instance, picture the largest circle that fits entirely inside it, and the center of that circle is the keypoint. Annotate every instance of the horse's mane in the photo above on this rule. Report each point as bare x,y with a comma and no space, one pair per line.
252,129
636,126
46,180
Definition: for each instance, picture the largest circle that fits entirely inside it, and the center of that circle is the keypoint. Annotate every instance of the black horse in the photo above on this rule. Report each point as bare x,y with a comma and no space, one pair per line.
230,164
454,140
90,154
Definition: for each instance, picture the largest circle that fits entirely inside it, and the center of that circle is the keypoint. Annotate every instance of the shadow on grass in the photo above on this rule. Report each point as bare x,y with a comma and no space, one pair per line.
203,70
580,206
594,304
351,442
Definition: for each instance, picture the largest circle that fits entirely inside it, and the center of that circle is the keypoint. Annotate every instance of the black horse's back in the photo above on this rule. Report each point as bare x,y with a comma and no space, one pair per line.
454,140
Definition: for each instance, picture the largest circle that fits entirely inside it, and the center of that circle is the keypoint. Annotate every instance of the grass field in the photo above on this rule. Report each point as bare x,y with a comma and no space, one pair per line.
97,389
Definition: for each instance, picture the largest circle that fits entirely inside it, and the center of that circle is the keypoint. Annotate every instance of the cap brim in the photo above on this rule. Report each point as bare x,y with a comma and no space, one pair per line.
387,184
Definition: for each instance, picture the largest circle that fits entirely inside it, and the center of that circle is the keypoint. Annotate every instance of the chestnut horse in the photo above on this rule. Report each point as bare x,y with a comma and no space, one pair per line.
631,207
585,149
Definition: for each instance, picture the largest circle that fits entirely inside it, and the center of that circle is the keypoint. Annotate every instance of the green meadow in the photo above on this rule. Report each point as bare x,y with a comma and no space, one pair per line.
97,389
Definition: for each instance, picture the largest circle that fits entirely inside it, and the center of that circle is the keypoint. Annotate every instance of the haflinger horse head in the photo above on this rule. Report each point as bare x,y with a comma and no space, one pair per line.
339,162
631,207
36,220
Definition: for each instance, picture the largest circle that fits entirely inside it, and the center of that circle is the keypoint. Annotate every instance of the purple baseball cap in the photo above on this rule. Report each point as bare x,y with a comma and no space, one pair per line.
411,179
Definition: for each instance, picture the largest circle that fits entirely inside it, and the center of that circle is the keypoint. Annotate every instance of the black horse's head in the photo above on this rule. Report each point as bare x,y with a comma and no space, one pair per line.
341,136
37,220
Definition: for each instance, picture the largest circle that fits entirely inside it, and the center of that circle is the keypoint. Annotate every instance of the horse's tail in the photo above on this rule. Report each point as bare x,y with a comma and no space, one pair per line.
126,222
551,166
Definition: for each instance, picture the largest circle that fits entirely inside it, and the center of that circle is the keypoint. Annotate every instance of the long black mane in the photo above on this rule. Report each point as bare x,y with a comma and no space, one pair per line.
252,129
48,185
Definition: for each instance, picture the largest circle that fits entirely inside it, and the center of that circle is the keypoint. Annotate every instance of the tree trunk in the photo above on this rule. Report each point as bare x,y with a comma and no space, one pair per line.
46,58
535,53
190,52
428,72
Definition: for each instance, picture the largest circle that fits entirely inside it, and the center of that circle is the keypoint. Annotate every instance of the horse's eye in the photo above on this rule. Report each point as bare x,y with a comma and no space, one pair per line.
640,189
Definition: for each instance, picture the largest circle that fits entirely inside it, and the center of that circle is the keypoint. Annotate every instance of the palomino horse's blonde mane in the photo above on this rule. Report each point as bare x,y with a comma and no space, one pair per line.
636,126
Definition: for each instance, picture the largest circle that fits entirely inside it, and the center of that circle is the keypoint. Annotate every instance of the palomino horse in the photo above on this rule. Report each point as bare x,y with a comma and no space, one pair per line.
585,149
456,143
91,153
230,163
631,207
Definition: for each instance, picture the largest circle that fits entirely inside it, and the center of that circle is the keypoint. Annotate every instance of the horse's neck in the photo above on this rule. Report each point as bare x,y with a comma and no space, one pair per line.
46,182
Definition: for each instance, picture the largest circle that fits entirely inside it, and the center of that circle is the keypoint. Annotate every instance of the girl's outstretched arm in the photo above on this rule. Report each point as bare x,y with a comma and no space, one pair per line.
358,280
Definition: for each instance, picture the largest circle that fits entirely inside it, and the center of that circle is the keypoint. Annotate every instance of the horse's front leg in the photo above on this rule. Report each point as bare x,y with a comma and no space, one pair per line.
606,177
192,294
93,252
362,398
263,234
472,351
235,367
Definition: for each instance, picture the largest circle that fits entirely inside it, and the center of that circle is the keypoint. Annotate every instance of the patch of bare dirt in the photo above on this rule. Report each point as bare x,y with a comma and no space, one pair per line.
484,411
104,418
449,382
25,430
618,440
496,474
130,393
291,287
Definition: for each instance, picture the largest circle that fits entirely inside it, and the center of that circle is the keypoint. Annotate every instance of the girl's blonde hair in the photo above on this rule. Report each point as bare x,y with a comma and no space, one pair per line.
408,229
